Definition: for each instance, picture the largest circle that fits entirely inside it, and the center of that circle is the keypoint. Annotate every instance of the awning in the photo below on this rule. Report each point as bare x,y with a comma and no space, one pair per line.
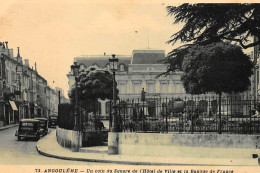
13,105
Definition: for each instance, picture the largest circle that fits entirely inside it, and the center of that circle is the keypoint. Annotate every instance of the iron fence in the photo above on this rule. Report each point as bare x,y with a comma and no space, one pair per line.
195,114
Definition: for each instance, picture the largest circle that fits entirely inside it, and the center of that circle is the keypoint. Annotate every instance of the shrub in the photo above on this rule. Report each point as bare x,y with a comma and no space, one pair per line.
65,116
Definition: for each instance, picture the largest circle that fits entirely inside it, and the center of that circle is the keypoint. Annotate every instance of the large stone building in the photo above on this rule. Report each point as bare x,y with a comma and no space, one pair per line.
24,93
137,71
141,70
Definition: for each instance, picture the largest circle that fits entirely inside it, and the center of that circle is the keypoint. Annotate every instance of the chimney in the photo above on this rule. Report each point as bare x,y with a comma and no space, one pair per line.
3,45
35,66
6,44
26,62
18,51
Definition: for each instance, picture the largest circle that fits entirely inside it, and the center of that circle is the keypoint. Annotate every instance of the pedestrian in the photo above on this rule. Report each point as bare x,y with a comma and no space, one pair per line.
101,125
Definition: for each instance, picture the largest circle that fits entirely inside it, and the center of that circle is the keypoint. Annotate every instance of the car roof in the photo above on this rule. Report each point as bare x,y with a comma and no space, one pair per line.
29,120
40,118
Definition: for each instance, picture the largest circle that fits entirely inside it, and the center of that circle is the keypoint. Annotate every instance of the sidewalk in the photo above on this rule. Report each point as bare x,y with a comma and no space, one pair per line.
8,126
48,146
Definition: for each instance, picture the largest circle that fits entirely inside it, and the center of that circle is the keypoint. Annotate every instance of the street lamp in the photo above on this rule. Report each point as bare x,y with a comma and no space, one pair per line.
75,69
113,67
143,100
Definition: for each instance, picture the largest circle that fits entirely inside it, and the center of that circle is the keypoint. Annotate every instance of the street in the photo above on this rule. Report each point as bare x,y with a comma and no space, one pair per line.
24,152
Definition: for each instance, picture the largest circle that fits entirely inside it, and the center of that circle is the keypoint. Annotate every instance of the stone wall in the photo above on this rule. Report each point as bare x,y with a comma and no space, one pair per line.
186,145
66,137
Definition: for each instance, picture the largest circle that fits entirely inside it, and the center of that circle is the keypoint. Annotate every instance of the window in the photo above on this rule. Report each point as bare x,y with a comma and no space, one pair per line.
23,80
122,67
183,90
1,86
122,87
137,87
150,87
25,96
108,105
178,88
13,79
81,67
1,67
7,76
257,76
27,124
164,87
174,88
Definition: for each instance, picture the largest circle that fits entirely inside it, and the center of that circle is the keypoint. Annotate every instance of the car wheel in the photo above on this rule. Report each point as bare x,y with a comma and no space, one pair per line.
19,138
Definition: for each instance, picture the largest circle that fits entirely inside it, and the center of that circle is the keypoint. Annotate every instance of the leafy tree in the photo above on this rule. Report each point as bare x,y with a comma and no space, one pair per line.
210,23
206,23
93,83
217,67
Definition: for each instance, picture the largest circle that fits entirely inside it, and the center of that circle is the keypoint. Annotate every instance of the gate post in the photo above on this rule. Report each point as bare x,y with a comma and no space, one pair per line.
113,143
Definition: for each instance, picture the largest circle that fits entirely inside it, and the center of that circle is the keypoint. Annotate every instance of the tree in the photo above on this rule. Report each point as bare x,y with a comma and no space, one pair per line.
210,23
217,67
207,23
93,83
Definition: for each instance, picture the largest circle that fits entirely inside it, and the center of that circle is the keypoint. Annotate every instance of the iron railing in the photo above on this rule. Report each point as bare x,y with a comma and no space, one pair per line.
193,114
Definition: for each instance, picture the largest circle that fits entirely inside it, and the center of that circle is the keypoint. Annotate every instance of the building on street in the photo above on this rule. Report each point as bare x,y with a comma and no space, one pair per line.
24,93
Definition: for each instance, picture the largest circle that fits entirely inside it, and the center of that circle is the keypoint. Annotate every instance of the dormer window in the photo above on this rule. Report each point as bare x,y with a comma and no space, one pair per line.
95,64
81,67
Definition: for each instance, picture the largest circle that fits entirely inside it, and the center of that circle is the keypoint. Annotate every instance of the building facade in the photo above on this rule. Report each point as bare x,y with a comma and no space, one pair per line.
135,72
24,93
142,70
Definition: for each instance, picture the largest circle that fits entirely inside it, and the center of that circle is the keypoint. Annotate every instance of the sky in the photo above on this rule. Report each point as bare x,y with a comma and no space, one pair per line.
51,33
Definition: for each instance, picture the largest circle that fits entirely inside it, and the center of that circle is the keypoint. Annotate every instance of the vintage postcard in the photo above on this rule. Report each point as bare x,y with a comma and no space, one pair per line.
129,86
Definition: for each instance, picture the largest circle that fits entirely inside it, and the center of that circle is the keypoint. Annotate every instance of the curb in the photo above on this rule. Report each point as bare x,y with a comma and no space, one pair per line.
7,127
115,161
119,162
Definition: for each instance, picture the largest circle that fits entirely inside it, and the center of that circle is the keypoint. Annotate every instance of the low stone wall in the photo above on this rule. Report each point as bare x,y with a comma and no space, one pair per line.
184,145
66,137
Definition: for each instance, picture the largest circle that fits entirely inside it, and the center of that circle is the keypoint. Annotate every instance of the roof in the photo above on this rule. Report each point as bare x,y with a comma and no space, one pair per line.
148,56
29,120
40,118
100,60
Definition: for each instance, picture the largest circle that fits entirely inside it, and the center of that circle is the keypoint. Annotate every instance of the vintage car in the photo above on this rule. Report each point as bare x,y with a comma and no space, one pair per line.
53,120
29,128
43,125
